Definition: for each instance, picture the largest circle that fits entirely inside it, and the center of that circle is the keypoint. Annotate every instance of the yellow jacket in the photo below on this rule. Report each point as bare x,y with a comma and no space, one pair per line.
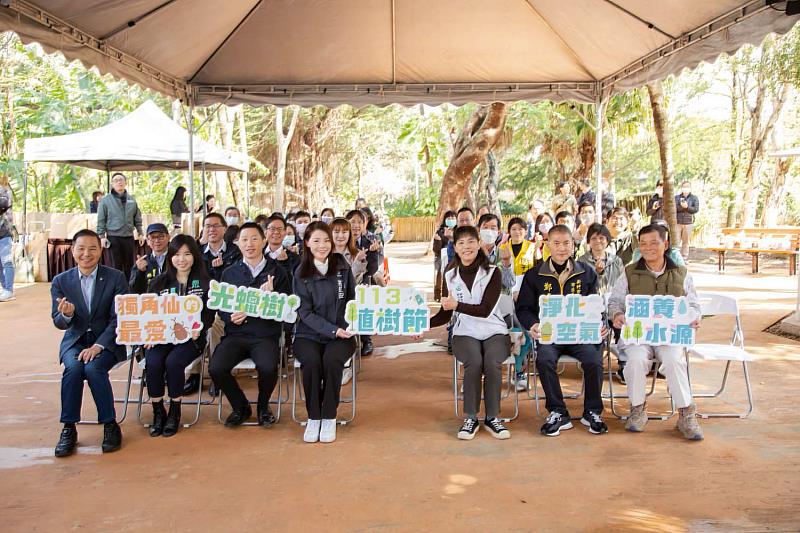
527,256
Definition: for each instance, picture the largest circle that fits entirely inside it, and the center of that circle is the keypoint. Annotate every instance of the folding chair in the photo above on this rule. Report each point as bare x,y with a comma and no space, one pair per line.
283,371
198,402
130,361
297,374
612,349
510,387
713,304
562,361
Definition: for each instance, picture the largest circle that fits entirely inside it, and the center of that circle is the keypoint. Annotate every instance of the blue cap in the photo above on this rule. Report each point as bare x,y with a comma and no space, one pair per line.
157,227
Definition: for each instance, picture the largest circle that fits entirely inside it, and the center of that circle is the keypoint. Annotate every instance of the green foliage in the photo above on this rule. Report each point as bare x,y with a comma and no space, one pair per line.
410,207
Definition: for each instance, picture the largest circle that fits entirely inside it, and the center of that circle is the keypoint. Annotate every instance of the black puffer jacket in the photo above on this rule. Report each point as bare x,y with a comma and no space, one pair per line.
323,301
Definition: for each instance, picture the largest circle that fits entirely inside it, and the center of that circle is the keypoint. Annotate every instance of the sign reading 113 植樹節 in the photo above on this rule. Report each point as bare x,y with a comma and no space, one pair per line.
387,311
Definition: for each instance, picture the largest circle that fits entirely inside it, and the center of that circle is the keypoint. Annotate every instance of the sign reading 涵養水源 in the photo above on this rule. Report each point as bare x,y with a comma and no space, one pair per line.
658,320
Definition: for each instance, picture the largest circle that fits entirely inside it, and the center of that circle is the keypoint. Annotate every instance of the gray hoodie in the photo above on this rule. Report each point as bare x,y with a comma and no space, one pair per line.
117,220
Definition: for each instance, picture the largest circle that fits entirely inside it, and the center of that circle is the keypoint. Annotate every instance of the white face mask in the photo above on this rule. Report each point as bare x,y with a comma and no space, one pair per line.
488,236
288,241
232,221
326,219
544,228
301,230
586,219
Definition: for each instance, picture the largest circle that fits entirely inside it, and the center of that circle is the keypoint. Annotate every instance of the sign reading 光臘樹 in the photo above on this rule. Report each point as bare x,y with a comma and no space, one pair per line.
154,319
253,302
570,319
658,320
387,311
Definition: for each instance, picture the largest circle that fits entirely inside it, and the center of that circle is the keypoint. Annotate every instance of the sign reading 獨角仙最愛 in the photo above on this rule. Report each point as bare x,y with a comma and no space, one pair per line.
570,319
154,319
658,320
253,302
387,311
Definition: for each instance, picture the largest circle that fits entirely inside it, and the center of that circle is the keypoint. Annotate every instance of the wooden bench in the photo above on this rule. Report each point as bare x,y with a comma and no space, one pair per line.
746,240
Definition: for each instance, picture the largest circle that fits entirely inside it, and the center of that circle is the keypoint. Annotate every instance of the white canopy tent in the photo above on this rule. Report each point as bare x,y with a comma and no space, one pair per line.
332,52
145,139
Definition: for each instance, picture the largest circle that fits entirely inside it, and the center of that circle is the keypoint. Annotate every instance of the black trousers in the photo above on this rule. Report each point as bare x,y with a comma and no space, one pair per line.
123,253
231,351
172,359
591,359
323,365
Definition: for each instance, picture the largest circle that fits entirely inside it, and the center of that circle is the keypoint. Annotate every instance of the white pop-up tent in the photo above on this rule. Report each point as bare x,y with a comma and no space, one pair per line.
331,52
146,139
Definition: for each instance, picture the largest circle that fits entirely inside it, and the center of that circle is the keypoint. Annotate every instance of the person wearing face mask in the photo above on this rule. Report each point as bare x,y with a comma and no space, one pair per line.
249,337
655,205
327,215
184,274
464,217
290,240
439,242
280,248
489,231
480,335
232,216
325,283
561,274
585,219
301,221
371,246
623,243
543,224
687,206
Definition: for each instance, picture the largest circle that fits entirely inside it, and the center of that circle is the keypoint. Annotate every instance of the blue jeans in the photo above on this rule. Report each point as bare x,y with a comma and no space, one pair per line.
95,373
6,264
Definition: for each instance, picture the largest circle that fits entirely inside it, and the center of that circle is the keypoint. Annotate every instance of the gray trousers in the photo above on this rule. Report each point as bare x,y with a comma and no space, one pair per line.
684,236
482,359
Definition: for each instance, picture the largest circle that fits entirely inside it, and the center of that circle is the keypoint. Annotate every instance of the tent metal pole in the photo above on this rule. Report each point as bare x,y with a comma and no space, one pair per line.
246,194
203,180
598,158
108,177
190,128
24,202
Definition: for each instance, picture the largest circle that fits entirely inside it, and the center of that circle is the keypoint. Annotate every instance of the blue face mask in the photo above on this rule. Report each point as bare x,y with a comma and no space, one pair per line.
450,222
288,241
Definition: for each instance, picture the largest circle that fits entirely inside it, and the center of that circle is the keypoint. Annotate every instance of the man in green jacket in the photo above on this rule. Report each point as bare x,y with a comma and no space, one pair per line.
117,216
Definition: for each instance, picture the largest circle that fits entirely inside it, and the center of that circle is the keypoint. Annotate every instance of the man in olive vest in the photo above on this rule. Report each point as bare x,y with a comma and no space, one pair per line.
656,274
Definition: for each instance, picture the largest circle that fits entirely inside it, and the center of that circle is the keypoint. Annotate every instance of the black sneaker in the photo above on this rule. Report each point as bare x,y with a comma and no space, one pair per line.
621,375
555,423
468,429
595,424
497,429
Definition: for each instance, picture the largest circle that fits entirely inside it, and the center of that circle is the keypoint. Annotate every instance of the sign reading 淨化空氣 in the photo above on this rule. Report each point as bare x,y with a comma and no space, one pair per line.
658,320
387,311
253,302
154,319
570,319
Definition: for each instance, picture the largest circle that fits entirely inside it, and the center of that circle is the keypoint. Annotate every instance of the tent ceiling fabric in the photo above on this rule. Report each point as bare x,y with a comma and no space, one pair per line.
145,139
334,52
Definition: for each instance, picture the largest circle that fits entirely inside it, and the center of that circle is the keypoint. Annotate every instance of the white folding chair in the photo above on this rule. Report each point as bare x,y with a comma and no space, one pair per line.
510,388
197,403
612,349
562,361
248,364
297,375
714,304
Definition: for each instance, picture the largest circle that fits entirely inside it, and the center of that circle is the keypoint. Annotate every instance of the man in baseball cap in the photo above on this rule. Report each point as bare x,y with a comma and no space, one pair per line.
151,265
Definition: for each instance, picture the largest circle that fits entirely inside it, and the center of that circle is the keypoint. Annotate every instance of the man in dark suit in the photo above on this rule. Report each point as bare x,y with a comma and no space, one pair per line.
84,307
151,265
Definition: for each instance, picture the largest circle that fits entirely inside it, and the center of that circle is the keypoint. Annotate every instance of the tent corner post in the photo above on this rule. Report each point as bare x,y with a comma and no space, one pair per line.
24,203
599,102
190,129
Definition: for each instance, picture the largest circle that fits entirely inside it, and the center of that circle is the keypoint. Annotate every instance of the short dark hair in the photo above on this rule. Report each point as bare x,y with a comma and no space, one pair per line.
660,182
559,228
252,225
322,213
273,217
486,217
619,210
356,213
231,207
562,183
302,214
585,204
481,260
217,216
662,231
260,218
447,214
115,174
586,183
598,228
465,208
686,182
86,233
516,220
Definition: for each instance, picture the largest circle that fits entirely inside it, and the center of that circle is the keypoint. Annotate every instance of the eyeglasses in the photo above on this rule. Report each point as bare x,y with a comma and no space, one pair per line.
275,228
213,226
157,236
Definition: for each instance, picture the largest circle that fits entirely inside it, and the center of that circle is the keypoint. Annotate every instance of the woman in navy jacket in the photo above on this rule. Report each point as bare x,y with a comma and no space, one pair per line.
324,283
185,274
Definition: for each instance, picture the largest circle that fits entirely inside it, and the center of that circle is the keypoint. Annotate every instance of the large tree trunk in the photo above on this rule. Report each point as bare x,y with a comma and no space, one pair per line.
477,137
491,183
775,205
758,141
661,125
283,140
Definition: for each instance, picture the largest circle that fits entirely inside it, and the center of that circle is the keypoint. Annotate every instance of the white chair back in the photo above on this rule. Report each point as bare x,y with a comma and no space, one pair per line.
712,304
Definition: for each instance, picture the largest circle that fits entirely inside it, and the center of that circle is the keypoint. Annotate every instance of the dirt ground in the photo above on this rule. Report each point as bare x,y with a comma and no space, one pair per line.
399,466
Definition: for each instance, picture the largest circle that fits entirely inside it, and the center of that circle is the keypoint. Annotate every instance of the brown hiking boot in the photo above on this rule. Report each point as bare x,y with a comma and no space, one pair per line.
687,423
637,419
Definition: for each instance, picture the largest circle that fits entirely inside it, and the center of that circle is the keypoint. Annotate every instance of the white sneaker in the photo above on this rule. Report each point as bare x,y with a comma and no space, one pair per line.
312,431
347,375
328,431
521,382
7,296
